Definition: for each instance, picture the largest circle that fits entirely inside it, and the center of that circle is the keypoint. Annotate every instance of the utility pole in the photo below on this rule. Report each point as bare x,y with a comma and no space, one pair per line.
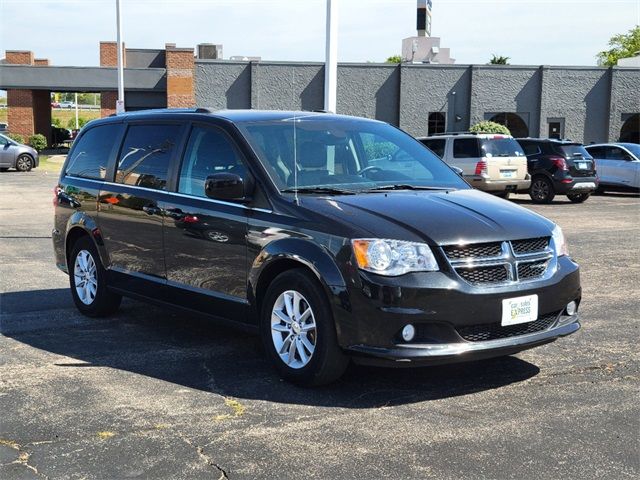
120,101
331,61
76,102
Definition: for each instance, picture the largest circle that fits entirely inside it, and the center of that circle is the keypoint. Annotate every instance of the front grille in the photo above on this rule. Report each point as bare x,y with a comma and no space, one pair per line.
478,275
532,269
495,331
478,250
493,263
530,245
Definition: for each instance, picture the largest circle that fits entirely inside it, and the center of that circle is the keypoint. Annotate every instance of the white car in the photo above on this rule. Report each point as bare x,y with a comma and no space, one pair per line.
67,105
618,165
491,162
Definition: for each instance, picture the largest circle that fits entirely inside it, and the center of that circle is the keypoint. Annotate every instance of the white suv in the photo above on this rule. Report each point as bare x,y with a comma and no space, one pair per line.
491,162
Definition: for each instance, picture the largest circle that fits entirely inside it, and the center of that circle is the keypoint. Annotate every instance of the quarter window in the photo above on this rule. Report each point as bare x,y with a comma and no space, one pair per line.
530,148
466,148
209,151
90,156
436,146
146,154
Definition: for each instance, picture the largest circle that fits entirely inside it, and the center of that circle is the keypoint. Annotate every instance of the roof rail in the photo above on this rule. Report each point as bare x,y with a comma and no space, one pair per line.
165,110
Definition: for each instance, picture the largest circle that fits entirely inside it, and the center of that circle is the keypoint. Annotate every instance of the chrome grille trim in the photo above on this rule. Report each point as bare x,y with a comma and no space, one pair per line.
527,266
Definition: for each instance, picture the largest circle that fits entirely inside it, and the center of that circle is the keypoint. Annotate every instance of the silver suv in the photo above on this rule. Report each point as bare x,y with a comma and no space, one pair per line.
491,162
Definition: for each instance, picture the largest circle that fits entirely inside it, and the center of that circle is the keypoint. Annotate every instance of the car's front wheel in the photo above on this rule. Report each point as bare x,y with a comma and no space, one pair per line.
298,330
578,197
87,278
24,163
541,190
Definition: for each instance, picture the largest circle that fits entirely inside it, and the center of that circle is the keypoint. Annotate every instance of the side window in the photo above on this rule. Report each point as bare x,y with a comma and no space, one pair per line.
436,146
597,152
465,148
530,148
615,153
209,151
3,141
91,153
145,155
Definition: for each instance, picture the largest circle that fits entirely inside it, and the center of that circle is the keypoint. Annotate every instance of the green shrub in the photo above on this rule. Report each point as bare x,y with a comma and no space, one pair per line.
16,137
81,123
56,122
38,141
489,127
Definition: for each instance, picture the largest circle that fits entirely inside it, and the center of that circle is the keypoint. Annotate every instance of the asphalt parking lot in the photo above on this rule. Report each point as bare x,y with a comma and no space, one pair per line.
154,394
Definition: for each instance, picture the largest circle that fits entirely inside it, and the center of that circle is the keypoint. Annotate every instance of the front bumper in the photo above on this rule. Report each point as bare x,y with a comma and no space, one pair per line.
502,185
434,354
447,313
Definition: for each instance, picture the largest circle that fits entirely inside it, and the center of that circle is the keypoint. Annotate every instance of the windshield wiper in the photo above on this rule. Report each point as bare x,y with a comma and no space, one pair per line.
329,190
403,186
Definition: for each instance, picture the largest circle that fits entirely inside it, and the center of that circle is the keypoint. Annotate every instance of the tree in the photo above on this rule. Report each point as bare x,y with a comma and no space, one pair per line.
489,127
499,60
622,46
394,59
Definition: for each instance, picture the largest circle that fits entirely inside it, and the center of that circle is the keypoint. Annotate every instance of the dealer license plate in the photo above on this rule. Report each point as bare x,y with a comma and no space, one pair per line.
507,173
519,310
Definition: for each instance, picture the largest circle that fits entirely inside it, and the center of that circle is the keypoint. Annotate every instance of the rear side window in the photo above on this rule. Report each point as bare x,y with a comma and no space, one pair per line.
145,155
530,148
436,146
597,152
466,148
91,154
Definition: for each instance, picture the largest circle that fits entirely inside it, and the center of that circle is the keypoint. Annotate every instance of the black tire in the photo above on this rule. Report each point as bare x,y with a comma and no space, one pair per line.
103,302
24,163
327,362
578,197
541,190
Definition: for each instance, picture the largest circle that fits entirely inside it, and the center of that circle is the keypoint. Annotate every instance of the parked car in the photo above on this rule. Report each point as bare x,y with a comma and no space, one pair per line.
16,155
55,104
618,166
333,237
559,167
3,127
67,105
490,162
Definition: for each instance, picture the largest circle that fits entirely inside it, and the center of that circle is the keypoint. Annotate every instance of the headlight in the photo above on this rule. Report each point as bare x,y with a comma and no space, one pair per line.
393,257
559,242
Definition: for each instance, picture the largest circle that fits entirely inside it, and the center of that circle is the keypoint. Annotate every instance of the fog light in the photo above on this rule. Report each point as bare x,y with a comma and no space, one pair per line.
571,308
408,332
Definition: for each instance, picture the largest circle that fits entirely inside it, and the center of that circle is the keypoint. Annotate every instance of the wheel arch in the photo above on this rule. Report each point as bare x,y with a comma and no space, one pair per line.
81,225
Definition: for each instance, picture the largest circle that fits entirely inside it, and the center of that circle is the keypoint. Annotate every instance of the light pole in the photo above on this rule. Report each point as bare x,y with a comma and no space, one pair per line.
120,101
331,61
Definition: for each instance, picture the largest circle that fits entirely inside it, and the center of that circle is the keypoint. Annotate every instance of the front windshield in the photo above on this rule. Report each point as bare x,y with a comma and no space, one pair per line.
501,147
349,154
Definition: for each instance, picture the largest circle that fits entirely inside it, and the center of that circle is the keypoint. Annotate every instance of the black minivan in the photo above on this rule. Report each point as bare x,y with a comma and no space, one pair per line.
334,237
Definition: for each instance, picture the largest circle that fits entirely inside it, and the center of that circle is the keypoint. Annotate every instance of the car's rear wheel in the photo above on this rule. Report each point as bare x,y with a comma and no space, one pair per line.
87,278
541,190
24,163
504,195
578,197
298,330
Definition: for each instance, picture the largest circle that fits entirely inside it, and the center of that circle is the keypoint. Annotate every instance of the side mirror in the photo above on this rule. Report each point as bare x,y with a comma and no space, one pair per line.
458,170
225,186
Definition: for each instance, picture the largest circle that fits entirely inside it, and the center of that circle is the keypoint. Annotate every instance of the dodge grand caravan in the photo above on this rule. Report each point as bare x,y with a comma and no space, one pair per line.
333,237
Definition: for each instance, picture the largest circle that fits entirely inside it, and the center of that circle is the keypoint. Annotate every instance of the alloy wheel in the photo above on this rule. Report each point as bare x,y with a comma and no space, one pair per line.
23,163
85,276
540,190
293,329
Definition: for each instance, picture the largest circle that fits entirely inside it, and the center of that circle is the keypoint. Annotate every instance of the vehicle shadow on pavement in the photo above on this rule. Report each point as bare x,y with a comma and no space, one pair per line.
196,353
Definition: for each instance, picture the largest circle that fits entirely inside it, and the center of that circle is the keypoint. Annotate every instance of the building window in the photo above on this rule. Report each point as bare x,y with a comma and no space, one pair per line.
556,128
513,122
437,123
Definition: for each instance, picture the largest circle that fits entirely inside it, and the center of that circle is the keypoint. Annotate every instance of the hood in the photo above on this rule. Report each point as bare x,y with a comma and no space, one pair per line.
437,217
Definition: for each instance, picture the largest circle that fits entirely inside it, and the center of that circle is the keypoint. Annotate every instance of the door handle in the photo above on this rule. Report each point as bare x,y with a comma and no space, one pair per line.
152,210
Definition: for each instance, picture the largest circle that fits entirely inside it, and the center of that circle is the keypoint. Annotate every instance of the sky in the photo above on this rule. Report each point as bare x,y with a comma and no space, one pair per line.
530,32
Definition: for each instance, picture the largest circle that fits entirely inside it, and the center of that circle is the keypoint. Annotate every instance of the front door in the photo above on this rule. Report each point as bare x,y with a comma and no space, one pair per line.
130,218
205,239
6,153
